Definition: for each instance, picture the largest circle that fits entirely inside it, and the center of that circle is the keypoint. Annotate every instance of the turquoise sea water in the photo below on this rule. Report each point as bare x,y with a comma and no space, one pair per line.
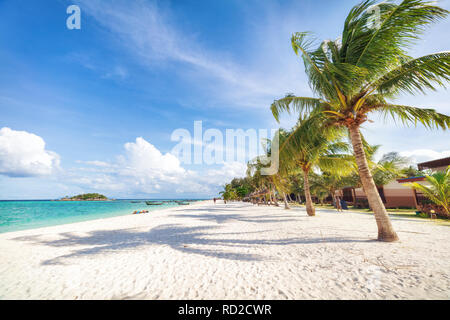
21,215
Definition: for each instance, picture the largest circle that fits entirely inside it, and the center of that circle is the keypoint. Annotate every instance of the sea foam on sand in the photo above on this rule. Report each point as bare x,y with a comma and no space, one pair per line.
227,251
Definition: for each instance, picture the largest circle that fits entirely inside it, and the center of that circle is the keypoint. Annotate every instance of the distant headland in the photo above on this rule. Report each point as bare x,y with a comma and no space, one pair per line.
86,197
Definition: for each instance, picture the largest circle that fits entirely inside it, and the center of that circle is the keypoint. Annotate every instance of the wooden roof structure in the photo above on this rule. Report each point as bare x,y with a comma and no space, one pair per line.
434,164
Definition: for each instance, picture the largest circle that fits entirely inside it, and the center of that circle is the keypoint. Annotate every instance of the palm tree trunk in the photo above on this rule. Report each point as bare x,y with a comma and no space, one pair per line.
309,204
286,205
298,198
275,199
385,230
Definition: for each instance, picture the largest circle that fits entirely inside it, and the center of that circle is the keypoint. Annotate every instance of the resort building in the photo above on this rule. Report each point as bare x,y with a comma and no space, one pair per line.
396,194
435,165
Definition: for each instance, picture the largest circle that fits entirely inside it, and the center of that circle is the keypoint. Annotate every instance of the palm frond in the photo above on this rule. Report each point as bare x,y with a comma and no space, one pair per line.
376,46
341,165
417,75
321,82
294,104
439,189
412,115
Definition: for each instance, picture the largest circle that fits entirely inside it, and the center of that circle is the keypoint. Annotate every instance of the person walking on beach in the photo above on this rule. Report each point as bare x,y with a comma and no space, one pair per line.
214,200
338,204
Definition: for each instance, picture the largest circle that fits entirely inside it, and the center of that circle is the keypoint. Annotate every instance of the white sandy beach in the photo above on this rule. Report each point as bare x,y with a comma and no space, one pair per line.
232,251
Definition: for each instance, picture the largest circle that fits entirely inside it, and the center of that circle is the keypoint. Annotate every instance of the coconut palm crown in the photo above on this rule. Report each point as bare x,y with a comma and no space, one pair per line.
359,73
310,146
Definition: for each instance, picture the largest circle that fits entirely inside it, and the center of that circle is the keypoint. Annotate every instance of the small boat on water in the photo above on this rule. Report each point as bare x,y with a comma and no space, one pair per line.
181,203
153,203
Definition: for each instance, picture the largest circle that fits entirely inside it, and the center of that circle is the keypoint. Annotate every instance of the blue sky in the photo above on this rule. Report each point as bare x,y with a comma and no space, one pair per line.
91,106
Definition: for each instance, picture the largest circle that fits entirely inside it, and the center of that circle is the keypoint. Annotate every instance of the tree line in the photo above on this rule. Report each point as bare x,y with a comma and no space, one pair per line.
353,77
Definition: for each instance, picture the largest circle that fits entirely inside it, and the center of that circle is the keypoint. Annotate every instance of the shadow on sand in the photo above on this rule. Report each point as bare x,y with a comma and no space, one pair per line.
193,240
208,214
222,218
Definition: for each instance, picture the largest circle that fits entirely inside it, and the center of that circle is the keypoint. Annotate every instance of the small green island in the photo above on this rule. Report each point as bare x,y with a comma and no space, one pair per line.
86,197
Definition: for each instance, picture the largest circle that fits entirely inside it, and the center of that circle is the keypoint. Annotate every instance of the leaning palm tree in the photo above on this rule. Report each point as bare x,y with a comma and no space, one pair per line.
281,178
331,182
262,184
319,188
276,182
311,146
228,192
439,189
356,74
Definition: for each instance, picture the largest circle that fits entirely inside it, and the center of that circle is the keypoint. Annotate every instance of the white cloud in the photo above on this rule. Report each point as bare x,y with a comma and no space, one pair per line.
422,155
143,169
144,160
23,154
95,163
228,171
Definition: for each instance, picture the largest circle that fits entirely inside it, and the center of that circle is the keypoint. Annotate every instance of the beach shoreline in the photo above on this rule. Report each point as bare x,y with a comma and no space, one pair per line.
19,215
226,251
